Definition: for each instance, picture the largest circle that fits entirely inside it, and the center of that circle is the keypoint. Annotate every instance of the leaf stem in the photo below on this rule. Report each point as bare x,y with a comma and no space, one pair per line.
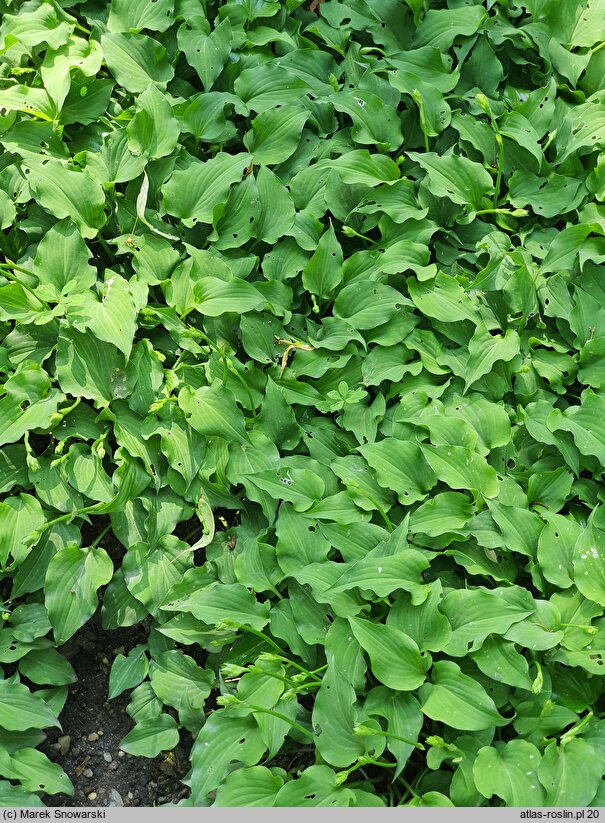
417,97
287,680
512,212
277,648
368,731
100,537
280,716
384,516
81,28
362,761
410,789
105,246
500,143
15,267
416,744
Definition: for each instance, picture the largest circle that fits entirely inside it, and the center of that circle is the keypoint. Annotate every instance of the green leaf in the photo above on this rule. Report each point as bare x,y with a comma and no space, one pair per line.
65,192
62,262
214,297
192,193
459,179
444,512
334,717
588,558
510,772
440,27
136,60
125,15
460,468
19,517
422,621
179,682
20,709
223,740
88,367
520,528
300,487
457,700
206,51
366,308
47,666
112,318
400,466
442,298
17,796
145,136
555,549
374,123
149,573
359,166
585,422
211,411
318,786
127,671
275,134
152,736
35,772
498,659
475,614
570,773
323,272
232,603
254,786
486,349
395,658
74,575
384,575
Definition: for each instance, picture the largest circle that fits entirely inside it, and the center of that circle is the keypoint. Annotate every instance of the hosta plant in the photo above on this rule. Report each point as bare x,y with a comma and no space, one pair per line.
303,369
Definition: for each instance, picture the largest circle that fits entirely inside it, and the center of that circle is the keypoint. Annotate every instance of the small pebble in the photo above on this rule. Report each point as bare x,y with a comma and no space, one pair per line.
87,773
113,766
92,737
115,799
105,661
130,796
100,732
63,744
121,753
92,796
107,757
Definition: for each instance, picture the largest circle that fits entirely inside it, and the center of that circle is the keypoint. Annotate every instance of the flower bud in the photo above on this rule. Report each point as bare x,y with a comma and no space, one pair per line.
536,686
226,700
483,103
269,657
232,670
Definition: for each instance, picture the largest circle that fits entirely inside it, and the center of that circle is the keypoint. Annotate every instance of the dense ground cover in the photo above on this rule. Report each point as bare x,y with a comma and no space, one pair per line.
303,325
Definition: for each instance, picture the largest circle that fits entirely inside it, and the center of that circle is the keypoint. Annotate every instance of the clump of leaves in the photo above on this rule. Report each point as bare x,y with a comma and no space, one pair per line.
303,327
